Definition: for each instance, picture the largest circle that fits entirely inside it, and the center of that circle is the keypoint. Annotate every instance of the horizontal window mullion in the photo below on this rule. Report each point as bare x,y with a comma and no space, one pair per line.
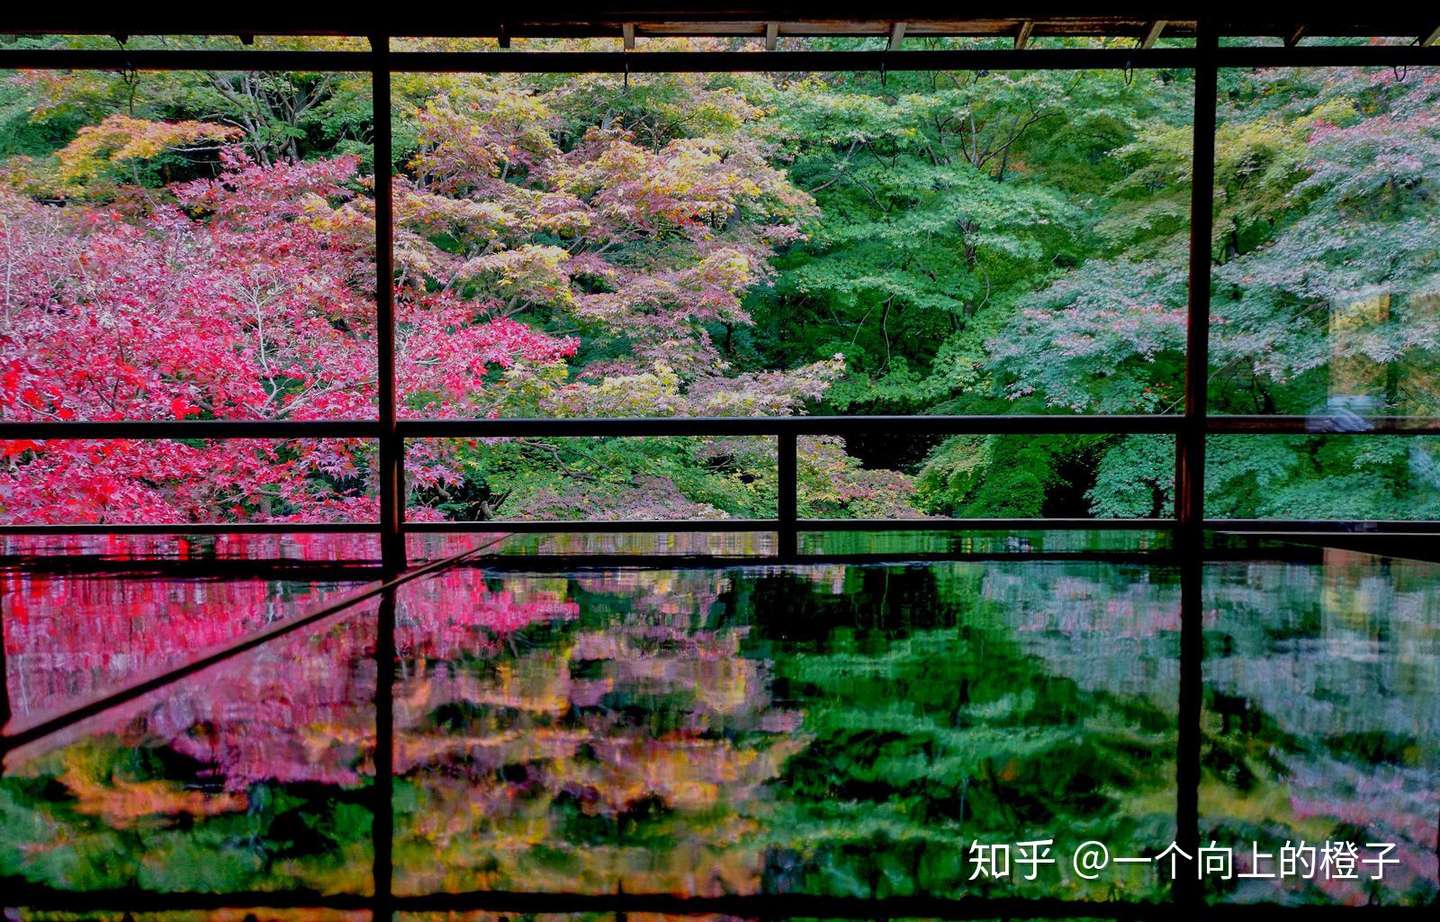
1325,425
962,524
194,429
1358,527
787,61
592,526
817,525
192,528
724,61
1329,56
783,425
195,59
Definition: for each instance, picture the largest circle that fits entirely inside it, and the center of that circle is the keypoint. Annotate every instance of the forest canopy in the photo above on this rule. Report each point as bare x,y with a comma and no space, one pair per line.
198,245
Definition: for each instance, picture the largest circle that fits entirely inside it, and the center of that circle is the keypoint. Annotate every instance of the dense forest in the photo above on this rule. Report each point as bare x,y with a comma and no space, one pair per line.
200,246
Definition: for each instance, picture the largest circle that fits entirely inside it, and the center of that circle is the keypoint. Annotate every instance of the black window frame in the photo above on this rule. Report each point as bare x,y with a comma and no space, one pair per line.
1189,428
1187,552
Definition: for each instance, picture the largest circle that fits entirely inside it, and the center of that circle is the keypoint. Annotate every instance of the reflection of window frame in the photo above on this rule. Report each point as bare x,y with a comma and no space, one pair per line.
1205,57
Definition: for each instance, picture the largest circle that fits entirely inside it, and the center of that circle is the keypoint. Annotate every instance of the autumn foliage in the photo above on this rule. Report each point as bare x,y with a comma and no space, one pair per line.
250,295
200,246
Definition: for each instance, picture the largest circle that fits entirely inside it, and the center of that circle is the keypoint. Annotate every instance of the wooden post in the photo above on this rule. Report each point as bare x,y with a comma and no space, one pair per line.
1190,488
1022,38
897,35
392,447
787,500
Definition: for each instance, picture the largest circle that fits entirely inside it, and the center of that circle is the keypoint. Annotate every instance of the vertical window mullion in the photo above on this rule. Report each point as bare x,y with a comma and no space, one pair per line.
1190,466
392,447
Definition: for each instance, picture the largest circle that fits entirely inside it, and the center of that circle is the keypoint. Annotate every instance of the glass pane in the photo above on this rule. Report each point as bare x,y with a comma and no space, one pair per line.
1322,477
187,481
599,479
748,244
1322,727
186,245
745,244
1326,286
841,730
253,774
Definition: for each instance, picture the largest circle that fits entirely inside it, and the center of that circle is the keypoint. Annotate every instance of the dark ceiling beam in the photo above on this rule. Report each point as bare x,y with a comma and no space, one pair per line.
602,19
712,61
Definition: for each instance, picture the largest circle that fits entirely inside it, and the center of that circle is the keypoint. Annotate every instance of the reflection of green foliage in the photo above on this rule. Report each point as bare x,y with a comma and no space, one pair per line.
1305,737
867,723
934,735
1375,747
273,838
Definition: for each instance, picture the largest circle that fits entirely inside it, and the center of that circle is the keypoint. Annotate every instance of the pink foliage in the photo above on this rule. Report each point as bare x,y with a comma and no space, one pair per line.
132,629
248,297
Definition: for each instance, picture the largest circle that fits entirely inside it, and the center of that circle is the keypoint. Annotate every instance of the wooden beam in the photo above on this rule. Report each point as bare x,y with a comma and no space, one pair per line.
1152,33
897,35
627,31
772,35
1022,38
1427,40
1294,37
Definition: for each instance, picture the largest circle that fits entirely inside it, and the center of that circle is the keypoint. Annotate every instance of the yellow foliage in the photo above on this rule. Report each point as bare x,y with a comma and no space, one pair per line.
122,803
119,138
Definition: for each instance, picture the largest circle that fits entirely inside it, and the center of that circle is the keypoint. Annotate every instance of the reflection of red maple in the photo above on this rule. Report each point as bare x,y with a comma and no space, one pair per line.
454,612
70,638
297,546
505,732
298,709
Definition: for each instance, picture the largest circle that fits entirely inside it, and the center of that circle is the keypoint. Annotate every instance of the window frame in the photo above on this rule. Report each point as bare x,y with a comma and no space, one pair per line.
1187,553
1189,428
